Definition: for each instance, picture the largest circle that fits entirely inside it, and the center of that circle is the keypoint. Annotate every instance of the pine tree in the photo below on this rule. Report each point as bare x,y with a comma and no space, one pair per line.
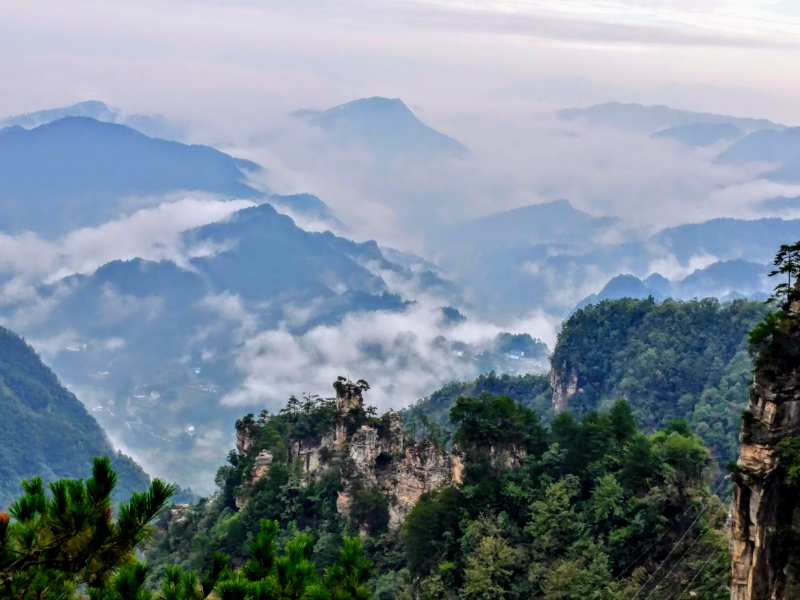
54,546
51,545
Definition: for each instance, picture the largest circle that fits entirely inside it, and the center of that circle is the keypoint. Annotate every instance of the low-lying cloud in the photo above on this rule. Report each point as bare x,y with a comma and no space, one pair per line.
395,352
151,233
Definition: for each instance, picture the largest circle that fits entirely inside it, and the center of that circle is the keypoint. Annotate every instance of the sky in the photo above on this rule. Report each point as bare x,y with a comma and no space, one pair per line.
488,72
238,63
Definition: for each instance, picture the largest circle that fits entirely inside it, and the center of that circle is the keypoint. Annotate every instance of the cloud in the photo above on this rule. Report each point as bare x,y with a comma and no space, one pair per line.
230,311
568,286
673,269
393,351
114,307
152,234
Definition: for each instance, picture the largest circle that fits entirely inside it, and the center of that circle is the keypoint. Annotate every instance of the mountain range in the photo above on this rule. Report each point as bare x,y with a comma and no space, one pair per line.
650,119
152,346
161,337
150,125
552,255
726,280
78,171
700,135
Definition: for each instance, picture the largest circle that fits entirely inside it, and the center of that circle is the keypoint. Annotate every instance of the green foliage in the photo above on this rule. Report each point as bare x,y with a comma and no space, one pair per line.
47,432
531,390
592,498
584,507
671,360
370,509
787,263
68,538
494,421
298,501
789,454
57,545
292,576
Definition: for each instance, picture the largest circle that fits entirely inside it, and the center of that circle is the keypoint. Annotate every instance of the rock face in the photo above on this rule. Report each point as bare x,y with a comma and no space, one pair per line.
245,429
371,458
401,471
261,465
563,390
765,512
179,513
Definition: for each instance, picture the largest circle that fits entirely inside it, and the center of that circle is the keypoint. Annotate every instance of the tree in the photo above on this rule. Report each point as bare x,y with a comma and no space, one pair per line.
293,576
66,545
51,545
489,569
787,262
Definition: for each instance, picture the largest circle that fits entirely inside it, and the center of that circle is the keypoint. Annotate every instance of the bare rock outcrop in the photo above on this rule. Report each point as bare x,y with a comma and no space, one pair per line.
245,430
261,465
401,471
179,514
765,513
564,389
374,458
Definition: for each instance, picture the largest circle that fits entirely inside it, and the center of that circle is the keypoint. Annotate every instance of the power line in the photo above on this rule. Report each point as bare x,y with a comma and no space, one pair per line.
675,522
676,544
680,560
700,570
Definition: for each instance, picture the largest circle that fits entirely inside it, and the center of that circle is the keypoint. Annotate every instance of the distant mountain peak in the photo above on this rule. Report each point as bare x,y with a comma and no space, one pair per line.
386,126
79,171
150,125
373,104
650,119
376,103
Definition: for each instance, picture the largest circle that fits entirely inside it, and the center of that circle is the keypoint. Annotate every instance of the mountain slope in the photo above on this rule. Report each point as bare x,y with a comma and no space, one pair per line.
779,148
670,360
649,119
754,240
726,280
549,222
384,126
699,135
151,125
157,342
46,429
77,171
93,109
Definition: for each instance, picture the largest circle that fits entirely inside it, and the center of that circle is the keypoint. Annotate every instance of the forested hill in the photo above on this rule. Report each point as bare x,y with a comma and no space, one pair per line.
46,431
533,391
584,508
670,360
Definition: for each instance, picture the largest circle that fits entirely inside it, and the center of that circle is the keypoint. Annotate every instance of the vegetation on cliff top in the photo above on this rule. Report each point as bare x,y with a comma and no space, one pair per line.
670,360
584,508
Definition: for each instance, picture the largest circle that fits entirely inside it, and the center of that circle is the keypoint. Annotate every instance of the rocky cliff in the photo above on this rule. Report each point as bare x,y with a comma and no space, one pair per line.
765,512
564,389
375,456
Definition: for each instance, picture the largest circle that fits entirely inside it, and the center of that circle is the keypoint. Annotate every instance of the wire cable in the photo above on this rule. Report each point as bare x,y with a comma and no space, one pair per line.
677,543
675,522
700,570
683,556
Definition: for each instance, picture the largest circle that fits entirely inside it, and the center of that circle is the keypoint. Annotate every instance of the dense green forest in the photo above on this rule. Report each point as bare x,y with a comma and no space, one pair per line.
62,542
584,508
531,390
670,360
46,429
